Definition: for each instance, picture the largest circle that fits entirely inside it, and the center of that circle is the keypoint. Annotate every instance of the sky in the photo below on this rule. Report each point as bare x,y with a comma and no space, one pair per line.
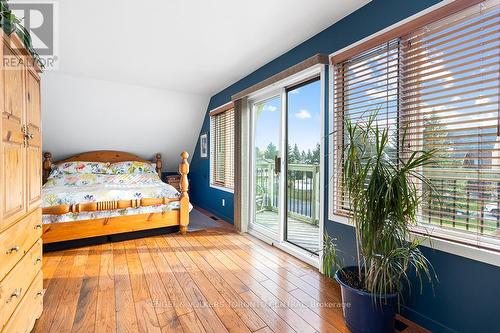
304,119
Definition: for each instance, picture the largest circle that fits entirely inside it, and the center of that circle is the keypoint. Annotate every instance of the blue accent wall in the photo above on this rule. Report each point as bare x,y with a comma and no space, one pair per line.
200,193
467,296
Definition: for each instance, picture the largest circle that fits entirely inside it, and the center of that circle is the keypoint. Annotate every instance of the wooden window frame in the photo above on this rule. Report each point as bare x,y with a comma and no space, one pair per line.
401,29
213,155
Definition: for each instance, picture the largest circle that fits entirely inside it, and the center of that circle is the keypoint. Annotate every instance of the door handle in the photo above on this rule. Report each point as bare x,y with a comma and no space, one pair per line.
27,135
12,250
277,165
15,294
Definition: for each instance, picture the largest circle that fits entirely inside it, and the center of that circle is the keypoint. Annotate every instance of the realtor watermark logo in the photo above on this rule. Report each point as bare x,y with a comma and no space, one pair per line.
40,19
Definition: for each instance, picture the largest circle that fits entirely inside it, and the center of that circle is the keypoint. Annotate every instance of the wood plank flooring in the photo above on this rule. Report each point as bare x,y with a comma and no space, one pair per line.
207,281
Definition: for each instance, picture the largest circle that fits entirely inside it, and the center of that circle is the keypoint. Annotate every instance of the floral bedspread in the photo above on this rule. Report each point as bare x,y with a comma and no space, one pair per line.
89,187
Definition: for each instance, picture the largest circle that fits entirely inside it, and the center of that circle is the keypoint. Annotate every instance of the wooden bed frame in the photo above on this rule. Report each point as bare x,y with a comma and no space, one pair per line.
63,231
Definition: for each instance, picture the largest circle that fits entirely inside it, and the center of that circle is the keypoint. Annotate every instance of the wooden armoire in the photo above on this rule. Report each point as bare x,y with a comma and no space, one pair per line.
21,283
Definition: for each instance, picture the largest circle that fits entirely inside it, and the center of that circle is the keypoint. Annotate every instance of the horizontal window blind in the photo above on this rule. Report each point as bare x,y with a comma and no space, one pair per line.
363,85
222,149
449,101
440,84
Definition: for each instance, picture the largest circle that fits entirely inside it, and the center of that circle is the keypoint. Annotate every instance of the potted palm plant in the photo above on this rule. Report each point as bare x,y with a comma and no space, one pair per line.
384,190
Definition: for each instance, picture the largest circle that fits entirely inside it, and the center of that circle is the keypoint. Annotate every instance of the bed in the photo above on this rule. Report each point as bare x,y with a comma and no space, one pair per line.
102,193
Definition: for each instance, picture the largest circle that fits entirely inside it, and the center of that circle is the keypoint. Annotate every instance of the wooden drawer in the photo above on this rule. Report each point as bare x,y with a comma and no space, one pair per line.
18,239
29,310
15,285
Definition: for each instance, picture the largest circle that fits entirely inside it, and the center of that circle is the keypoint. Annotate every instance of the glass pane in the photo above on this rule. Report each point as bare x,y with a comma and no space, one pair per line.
302,186
267,115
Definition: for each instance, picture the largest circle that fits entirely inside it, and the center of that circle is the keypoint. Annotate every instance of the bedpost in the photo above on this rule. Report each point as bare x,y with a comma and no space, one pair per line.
184,199
47,165
158,164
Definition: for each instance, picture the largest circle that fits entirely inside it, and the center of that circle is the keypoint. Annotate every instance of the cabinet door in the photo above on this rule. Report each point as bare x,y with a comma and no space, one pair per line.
34,147
13,171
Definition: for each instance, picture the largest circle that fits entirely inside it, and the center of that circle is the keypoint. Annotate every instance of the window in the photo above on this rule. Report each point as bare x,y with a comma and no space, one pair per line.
440,83
365,84
222,148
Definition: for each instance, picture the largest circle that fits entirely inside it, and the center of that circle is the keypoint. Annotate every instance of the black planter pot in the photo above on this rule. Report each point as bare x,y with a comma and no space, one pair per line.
361,313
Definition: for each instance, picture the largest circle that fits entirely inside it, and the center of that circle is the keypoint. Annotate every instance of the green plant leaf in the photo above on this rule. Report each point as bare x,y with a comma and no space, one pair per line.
384,195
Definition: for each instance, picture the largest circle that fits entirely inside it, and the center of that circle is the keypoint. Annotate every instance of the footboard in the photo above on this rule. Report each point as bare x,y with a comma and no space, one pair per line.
105,205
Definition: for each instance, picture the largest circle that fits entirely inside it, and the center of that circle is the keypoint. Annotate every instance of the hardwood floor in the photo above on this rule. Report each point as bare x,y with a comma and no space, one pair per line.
206,281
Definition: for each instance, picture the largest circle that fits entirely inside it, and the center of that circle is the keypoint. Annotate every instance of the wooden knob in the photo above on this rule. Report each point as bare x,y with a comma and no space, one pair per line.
158,156
185,155
47,155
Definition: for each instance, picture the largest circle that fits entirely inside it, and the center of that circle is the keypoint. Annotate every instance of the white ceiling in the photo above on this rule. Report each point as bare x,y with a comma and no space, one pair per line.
196,46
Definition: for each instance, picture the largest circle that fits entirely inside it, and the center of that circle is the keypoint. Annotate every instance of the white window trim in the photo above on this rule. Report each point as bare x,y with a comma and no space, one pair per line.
210,157
262,94
460,249
221,188
439,238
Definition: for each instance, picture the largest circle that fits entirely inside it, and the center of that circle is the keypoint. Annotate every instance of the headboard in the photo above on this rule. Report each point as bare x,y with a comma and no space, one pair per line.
110,156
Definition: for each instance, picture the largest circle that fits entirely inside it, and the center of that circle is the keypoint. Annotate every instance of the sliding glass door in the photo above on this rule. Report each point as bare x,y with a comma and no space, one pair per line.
285,172
267,165
303,132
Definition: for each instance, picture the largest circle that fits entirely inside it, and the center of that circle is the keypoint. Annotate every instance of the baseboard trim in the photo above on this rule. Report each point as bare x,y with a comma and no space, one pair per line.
416,317
226,219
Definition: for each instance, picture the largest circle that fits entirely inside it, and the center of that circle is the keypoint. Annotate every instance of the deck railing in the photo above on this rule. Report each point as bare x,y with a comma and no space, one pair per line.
302,190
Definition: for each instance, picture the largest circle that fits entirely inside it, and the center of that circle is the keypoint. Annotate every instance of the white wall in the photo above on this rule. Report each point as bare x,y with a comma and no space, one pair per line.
81,114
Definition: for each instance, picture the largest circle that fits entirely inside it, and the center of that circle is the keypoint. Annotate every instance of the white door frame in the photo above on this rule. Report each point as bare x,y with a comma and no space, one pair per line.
279,89
263,232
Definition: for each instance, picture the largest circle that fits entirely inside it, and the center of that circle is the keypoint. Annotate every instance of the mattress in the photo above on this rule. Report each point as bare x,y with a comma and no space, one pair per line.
88,187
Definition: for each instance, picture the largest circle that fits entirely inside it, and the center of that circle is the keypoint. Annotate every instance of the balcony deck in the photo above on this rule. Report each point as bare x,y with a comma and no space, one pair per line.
300,233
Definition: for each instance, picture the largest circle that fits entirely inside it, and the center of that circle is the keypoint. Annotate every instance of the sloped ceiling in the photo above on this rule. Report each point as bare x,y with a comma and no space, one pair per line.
182,50
194,46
